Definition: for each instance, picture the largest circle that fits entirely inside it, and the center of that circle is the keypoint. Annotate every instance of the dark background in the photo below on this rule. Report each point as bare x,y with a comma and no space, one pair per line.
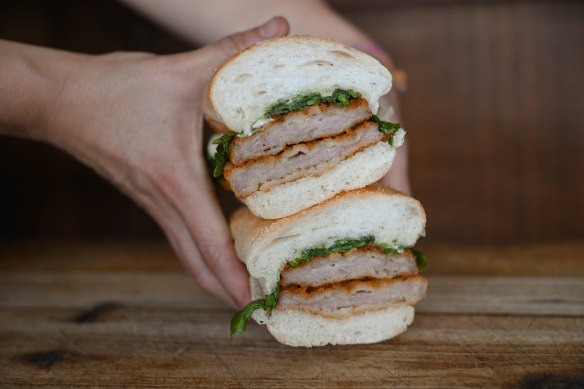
494,113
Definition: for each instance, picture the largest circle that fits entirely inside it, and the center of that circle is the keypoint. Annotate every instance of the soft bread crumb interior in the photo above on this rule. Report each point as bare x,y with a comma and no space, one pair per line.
280,69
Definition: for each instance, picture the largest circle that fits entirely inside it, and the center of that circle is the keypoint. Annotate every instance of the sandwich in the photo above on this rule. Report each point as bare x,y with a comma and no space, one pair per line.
296,123
341,272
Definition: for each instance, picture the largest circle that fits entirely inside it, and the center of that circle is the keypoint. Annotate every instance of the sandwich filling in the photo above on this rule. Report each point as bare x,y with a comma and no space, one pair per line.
350,277
367,262
303,120
343,299
314,122
300,160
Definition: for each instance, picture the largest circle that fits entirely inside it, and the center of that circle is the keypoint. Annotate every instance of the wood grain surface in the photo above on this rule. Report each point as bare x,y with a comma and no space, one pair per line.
125,315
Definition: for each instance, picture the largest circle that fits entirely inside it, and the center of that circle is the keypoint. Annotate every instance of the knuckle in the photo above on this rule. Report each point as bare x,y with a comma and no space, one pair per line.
229,45
233,44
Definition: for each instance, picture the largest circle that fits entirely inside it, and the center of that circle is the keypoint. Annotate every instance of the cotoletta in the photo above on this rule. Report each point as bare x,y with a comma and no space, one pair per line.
341,272
296,123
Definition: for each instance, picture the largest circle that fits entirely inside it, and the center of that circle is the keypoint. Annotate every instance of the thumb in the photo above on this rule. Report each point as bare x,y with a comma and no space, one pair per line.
220,51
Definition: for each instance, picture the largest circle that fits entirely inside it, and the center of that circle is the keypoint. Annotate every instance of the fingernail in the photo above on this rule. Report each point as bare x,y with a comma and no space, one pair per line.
270,28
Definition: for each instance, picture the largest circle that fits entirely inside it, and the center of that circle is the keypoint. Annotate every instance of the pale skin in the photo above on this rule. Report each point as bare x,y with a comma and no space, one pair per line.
136,118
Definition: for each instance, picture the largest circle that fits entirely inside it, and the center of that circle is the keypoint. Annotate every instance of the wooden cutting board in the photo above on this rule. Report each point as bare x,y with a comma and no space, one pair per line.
114,315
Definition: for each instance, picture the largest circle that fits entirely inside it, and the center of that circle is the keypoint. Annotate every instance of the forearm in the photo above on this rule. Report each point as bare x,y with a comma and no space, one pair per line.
57,97
203,22
32,80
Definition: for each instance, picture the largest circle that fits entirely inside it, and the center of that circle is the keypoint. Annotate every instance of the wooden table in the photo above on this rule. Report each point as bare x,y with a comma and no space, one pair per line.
125,315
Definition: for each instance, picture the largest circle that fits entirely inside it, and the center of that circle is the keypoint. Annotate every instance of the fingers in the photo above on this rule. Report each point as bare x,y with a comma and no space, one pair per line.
196,201
206,222
189,254
398,178
222,50
181,240
213,238
209,231
206,60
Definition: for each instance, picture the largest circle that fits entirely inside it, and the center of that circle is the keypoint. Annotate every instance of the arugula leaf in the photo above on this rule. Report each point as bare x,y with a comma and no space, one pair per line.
339,246
389,250
385,127
388,128
420,258
272,300
344,245
221,154
340,97
239,320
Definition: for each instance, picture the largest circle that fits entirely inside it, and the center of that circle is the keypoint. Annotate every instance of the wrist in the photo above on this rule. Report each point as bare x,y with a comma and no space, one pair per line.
33,79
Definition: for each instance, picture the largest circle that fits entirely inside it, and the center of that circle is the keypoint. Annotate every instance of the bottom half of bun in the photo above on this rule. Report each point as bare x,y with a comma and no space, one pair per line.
357,171
298,328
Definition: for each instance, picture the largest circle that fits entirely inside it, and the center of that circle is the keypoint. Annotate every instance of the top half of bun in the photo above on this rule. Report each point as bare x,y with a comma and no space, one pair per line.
276,70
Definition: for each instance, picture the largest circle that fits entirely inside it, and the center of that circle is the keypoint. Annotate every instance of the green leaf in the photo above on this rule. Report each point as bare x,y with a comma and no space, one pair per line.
272,300
240,319
344,245
222,152
390,250
338,246
388,128
420,258
352,93
385,127
339,97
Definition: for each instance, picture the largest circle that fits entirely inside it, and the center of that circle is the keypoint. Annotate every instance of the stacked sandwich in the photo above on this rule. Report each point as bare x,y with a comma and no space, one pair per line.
330,260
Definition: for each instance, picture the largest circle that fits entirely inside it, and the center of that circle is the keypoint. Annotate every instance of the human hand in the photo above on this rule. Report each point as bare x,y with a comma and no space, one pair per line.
398,176
137,119
390,109
195,20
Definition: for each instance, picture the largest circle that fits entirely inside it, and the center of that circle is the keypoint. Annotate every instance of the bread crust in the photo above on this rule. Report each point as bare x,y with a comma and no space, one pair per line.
246,227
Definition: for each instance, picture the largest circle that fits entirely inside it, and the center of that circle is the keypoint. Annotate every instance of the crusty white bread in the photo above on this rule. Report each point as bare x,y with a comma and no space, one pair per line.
276,70
266,245
303,329
357,171
299,328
